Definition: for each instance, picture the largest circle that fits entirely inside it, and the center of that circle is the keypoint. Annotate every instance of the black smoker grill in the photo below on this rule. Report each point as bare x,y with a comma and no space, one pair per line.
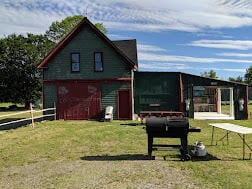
170,127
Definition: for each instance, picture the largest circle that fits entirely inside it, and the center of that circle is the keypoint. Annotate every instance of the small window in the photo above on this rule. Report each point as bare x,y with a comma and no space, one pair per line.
75,62
98,61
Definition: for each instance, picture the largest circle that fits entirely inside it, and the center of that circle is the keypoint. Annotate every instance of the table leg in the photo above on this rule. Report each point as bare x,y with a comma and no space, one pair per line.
212,136
243,145
141,118
227,138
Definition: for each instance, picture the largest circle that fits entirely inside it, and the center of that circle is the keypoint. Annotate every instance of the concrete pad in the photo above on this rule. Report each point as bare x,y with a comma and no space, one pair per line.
211,116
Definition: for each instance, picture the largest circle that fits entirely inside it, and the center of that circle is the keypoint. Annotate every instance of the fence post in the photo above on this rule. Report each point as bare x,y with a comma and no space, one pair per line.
55,112
32,117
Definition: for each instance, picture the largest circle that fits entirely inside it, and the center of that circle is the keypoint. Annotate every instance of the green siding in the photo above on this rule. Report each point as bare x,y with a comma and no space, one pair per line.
156,88
109,95
86,43
50,92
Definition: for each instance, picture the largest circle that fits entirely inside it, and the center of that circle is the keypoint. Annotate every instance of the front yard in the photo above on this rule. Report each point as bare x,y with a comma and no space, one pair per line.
89,154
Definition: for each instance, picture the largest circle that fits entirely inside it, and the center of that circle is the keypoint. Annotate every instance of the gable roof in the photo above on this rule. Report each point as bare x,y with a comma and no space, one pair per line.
198,79
129,48
84,23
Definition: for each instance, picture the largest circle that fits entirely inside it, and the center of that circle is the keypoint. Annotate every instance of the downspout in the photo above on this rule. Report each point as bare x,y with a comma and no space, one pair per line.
246,102
231,102
219,101
43,90
132,95
181,108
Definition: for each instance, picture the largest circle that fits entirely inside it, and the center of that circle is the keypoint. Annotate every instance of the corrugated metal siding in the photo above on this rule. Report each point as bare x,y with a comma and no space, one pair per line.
86,43
156,91
109,95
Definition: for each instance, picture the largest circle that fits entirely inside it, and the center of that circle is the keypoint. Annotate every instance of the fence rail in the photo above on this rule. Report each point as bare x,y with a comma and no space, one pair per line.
32,117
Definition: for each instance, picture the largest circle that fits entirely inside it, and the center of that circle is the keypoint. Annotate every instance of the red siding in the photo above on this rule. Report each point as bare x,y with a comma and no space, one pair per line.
78,101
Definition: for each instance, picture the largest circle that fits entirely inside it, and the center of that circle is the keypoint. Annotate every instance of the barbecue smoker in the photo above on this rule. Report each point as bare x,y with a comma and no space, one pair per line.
170,127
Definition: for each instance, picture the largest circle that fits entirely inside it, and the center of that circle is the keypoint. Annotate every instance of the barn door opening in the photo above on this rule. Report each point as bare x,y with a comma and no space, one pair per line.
124,104
77,101
213,102
225,103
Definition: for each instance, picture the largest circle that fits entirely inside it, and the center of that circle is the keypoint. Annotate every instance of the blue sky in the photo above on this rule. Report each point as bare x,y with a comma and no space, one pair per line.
185,35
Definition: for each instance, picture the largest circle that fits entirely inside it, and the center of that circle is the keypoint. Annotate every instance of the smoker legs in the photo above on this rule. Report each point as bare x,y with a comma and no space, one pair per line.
185,156
150,143
183,148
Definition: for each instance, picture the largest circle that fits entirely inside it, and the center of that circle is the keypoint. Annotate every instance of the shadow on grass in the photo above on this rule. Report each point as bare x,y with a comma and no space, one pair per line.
12,108
208,157
9,120
116,158
8,125
132,124
132,157
177,157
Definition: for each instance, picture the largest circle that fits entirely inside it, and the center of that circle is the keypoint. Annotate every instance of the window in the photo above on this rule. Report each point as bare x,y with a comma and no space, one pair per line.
75,62
98,61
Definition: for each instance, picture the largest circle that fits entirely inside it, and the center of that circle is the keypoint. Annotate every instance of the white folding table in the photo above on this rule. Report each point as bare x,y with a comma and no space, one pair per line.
229,127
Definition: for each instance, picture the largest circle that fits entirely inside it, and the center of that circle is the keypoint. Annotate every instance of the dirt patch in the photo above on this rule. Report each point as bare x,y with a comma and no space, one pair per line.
96,174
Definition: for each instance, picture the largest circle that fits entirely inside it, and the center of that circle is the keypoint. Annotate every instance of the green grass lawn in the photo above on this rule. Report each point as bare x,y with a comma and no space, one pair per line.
70,141
66,141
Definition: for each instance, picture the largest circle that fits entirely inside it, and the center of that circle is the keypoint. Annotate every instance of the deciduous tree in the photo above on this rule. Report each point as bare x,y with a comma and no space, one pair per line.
211,74
59,29
19,76
248,76
238,79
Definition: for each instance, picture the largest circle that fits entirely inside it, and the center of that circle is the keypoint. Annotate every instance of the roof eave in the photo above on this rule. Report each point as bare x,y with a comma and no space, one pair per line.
69,36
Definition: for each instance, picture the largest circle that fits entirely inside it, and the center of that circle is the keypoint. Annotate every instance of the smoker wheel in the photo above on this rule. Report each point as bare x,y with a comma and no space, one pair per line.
186,157
151,157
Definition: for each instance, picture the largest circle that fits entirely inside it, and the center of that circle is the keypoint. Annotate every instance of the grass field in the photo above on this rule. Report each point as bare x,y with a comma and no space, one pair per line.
8,114
90,154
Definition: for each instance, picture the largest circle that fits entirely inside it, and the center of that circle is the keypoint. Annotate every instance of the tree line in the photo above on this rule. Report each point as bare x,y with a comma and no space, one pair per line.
20,80
247,79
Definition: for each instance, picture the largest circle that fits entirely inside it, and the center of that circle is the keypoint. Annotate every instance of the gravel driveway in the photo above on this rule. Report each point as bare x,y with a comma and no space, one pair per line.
96,174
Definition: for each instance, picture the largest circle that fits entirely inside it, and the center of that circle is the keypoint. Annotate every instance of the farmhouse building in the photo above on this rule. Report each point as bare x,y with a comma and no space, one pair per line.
86,72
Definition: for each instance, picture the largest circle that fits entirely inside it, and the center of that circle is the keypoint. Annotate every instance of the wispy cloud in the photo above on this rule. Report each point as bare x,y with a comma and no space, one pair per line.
223,44
164,66
174,58
232,70
241,55
157,64
149,48
141,15
238,70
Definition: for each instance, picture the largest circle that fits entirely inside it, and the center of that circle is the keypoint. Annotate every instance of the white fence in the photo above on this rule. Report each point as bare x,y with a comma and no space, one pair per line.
31,117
